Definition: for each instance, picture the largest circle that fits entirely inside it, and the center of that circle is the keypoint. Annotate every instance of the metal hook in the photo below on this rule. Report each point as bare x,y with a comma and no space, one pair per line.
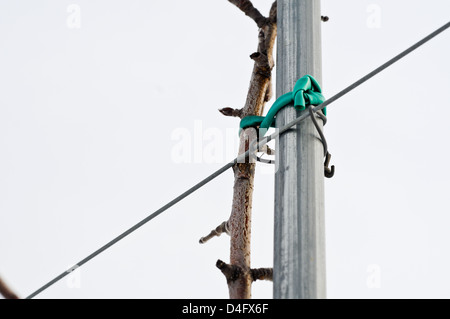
329,172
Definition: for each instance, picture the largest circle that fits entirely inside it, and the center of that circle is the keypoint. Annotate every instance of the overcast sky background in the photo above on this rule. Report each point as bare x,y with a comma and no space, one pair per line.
90,118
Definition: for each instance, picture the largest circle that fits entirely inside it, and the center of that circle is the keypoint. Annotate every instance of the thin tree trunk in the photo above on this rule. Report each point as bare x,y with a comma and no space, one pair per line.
240,278
238,273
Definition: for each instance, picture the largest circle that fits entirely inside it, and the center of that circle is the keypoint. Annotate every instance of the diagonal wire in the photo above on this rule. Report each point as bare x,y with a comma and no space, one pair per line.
241,158
354,85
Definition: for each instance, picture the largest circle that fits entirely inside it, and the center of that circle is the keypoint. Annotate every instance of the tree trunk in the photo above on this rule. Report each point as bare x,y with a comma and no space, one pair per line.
238,273
239,283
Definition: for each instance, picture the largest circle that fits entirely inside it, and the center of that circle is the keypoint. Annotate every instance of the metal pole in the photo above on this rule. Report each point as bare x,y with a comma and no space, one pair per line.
299,248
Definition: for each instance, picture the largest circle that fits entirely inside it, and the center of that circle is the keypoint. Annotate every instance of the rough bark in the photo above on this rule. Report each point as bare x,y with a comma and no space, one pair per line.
247,7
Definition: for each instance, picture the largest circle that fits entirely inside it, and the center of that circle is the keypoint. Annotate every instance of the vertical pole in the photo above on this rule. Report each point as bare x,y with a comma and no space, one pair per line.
299,248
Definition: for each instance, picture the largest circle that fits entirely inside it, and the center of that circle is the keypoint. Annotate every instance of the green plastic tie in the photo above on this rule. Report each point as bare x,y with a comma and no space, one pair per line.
306,91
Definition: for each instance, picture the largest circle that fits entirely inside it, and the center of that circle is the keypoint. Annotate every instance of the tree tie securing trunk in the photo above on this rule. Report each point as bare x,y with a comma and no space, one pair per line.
306,92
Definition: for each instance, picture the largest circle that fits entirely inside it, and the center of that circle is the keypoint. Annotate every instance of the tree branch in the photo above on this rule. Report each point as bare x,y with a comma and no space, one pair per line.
247,7
231,272
219,230
262,62
228,111
262,274
234,273
6,291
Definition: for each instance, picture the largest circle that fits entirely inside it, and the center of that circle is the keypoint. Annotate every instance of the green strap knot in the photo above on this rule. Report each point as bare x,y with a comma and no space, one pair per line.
306,91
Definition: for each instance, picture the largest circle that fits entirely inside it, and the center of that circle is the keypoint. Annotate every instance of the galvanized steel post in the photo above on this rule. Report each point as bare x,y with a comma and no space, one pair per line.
299,248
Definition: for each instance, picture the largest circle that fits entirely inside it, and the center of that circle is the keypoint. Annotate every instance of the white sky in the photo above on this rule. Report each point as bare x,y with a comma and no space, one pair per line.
86,122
